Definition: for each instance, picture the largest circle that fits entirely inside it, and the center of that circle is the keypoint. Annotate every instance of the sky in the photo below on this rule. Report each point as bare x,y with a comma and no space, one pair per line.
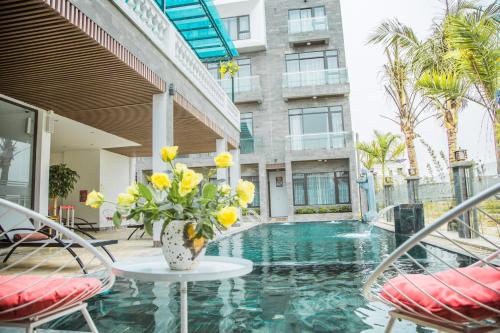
368,99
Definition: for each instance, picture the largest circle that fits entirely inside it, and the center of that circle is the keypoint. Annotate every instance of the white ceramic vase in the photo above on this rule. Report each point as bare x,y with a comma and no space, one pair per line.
181,252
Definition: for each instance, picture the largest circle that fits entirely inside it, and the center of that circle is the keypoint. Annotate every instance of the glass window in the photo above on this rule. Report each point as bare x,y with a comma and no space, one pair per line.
316,189
306,19
256,199
17,151
238,27
247,140
306,61
243,80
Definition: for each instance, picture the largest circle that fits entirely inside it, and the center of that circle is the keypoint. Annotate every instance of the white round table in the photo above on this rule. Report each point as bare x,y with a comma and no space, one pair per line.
156,269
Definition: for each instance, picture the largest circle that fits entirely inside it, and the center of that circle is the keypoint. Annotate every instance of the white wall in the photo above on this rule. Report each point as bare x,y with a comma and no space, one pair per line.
86,164
99,170
256,10
114,179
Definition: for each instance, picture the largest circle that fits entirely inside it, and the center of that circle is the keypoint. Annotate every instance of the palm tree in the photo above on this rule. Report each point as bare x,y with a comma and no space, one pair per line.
400,82
385,148
472,39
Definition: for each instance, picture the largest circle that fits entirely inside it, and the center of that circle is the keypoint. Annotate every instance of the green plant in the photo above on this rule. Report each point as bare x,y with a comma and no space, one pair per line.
62,181
250,211
188,196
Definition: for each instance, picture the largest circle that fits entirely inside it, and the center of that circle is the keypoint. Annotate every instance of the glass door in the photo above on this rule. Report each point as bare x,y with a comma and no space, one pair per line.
17,150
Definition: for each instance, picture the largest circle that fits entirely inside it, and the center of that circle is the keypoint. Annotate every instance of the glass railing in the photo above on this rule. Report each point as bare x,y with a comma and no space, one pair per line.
315,78
250,145
241,84
329,140
307,24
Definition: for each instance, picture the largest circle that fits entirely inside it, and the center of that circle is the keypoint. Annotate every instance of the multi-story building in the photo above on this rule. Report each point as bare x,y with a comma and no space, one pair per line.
292,92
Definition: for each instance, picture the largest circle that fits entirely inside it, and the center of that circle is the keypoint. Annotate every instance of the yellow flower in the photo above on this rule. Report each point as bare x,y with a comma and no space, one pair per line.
94,199
190,180
160,181
133,190
245,191
169,153
227,216
125,199
180,167
224,189
223,160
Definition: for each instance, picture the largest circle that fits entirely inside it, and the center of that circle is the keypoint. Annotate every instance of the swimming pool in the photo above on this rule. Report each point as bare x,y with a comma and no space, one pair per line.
307,278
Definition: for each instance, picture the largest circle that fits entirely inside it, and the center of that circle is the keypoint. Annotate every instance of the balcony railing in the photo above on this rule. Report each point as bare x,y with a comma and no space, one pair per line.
315,78
251,145
149,18
241,84
318,141
309,24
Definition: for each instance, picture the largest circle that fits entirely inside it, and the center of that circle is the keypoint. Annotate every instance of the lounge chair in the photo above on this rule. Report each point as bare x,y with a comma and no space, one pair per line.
450,296
13,232
36,287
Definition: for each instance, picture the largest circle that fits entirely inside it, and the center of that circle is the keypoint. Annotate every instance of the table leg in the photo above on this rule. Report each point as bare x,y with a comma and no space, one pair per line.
184,308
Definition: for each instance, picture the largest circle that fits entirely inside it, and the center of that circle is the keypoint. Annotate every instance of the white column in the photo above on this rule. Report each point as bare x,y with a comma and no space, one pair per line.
235,170
163,135
289,189
221,146
42,165
132,169
264,194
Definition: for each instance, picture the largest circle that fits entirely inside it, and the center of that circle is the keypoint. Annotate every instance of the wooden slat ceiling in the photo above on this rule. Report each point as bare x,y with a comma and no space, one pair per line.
56,58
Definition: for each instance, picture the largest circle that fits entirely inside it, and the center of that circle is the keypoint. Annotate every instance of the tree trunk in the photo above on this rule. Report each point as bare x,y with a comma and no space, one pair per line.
54,212
410,150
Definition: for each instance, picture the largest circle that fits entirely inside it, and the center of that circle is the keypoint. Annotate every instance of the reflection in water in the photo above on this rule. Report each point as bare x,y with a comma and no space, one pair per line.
307,278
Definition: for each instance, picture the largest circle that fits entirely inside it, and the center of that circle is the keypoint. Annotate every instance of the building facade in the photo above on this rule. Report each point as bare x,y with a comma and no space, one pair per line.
292,91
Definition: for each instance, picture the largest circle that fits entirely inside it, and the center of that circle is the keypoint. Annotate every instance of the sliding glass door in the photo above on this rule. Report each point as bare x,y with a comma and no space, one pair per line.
17,153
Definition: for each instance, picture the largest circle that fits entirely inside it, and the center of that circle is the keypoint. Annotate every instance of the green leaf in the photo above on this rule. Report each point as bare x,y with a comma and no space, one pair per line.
117,219
148,227
145,192
209,191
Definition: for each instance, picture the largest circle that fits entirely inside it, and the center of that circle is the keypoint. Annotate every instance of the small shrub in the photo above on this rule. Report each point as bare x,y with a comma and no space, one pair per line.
324,210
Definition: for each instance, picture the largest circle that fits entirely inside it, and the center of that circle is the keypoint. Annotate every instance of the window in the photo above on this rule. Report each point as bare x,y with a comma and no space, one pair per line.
242,82
17,153
256,200
316,189
246,133
311,61
316,128
313,68
238,27
307,19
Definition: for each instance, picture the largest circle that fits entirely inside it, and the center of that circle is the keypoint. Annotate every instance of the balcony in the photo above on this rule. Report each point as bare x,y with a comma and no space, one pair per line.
246,89
326,82
329,141
307,31
251,145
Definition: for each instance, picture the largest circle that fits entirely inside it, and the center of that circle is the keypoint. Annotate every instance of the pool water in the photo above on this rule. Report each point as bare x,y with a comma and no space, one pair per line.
307,278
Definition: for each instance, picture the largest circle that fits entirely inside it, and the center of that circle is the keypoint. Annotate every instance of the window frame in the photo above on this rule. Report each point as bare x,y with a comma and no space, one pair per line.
339,109
312,11
324,56
239,31
335,184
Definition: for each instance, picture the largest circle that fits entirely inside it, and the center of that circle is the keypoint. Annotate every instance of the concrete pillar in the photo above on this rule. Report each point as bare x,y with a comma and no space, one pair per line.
235,170
462,182
354,188
221,146
412,185
263,190
42,165
132,169
289,189
163,135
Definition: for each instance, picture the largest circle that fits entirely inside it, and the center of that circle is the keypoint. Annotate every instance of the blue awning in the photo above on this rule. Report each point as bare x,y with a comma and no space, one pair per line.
199,23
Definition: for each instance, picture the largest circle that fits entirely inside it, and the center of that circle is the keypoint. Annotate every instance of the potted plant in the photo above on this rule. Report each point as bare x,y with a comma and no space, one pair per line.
62,181
190,207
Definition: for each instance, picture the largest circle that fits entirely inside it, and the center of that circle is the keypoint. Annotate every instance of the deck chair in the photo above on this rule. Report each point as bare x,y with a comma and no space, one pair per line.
449,296
37,287
15,233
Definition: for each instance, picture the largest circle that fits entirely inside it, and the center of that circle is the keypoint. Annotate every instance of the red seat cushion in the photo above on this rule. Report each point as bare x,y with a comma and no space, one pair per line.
488,276
30,236
47,292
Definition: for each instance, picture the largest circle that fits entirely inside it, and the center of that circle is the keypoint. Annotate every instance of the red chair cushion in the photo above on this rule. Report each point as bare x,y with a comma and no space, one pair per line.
30,236
45,293
488,276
